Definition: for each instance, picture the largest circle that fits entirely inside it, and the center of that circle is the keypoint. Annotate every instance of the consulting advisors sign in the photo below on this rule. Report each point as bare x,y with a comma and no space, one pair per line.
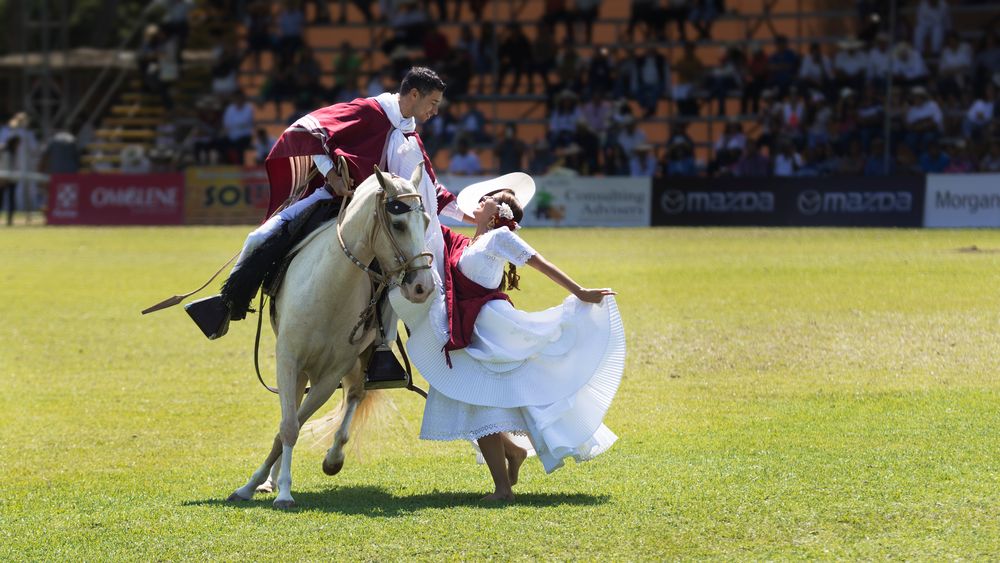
566,201
847,202
962,200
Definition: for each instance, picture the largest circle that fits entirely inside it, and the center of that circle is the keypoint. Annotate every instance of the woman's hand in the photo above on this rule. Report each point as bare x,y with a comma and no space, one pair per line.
593,295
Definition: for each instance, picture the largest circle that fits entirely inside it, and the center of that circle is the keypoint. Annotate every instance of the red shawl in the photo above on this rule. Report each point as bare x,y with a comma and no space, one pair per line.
464,297
357,130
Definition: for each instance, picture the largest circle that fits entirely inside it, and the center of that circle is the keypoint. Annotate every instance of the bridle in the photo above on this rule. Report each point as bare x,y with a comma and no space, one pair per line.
388,278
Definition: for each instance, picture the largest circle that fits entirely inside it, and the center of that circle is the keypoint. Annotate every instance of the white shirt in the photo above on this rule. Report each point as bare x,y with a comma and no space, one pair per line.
628,141
238,121
484,259
786,165
851,63
910,67
933,14
980,112
928,109
955,60
642,167
878,63
813,70
467,163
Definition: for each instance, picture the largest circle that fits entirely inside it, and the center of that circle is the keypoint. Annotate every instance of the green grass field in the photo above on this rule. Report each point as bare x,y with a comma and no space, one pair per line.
789,394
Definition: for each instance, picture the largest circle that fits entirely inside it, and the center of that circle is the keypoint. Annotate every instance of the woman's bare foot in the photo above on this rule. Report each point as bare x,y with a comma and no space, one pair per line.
500,497
515,457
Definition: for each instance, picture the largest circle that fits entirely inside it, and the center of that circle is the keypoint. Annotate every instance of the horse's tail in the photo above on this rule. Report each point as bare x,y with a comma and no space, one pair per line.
373,409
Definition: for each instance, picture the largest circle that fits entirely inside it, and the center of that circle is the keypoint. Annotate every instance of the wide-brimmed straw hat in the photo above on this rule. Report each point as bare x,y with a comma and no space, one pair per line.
520,183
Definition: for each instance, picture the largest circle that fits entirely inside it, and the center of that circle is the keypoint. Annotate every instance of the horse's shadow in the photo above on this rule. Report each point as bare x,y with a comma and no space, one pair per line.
376,501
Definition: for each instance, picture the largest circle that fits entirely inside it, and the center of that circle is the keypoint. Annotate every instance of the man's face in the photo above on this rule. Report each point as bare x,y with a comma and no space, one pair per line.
425,107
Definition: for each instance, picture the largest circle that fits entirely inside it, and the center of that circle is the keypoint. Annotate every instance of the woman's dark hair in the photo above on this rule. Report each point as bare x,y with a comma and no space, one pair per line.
510,278
12,143
423,79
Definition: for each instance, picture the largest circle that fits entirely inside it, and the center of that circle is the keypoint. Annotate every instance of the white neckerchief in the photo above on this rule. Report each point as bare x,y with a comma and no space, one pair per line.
402,156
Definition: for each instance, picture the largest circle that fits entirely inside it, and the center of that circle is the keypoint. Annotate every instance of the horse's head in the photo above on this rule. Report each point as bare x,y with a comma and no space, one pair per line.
399,234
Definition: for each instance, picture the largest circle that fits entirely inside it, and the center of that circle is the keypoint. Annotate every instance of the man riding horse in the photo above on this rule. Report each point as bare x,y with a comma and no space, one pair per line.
343,143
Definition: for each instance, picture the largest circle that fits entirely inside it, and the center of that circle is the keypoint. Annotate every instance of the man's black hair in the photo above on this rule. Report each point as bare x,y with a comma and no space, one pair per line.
423,79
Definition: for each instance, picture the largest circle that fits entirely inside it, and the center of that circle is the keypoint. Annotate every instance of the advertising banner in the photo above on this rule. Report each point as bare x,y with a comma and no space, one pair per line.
565,201
116,199
962,200
225,195
842,201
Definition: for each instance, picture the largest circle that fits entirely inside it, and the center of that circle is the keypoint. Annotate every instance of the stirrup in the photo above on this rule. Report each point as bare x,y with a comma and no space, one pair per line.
211,314
384,370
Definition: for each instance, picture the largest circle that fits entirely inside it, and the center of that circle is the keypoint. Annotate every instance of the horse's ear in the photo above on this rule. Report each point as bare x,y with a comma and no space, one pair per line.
386,184
417,176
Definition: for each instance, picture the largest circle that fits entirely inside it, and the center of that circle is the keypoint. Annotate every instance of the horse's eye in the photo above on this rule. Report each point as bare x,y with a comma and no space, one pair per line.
399,226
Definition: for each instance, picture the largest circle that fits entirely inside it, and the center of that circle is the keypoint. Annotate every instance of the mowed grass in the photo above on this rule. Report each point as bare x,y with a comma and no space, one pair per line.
789,394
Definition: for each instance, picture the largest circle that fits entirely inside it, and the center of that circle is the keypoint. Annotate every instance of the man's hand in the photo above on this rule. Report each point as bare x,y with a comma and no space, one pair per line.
336,183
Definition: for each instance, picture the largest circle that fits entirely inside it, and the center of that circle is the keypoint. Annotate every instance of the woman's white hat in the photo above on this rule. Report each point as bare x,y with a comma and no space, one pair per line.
520,183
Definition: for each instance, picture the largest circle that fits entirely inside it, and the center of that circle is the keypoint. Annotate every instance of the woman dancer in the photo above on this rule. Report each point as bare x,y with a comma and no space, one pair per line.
498,374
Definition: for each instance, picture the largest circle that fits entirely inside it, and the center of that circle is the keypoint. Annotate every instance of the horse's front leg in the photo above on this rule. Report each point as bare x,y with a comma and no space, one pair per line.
354,387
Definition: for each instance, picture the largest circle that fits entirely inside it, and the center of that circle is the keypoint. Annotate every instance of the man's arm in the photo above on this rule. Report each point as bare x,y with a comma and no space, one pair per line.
325,166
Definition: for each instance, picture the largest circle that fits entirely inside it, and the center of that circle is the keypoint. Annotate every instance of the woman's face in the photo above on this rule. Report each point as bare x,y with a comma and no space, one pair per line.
486,211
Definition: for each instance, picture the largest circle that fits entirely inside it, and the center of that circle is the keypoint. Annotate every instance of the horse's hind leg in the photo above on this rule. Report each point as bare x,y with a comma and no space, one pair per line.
354,386
271,484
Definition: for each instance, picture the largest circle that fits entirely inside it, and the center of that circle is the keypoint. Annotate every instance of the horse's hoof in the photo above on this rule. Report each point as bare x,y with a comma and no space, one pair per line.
235,497
332,468
284,504
266,488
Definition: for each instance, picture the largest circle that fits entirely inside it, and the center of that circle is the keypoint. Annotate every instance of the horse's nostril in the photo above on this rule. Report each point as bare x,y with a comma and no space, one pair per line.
419,289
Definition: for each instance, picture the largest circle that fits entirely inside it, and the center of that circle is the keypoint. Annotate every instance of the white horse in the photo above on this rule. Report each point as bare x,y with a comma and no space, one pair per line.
324,293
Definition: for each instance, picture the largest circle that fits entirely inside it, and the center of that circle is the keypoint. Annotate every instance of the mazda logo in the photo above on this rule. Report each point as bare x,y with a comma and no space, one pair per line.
810,202
672,202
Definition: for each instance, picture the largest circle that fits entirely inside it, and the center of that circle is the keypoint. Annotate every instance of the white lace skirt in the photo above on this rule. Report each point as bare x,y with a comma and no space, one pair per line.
548,375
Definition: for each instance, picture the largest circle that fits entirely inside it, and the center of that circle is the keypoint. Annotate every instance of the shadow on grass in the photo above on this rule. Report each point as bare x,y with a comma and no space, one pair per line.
375,501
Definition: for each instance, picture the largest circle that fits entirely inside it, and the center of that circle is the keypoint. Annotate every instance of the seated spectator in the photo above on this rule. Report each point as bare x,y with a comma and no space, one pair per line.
782,65
436,47
906,161
458,72
472,124
279,86
875,163
510,151
257,23
680,156
308,76
689,73
568,68
206,143
793,115
753,164
642,162
597,112
811,160
542,158
933,19
626,83
440,131
703,14
816,71
291,26
599,73
346,68
787,162
630,135
225,70
134,160
515,56
924,122
980,114
486,55
987,60
851,64
728,149
262,144
616,162
408,21
954,67
755,80
590,148
586,13
175,23
238,122
562,122
652,76
853,163
644,13
726,77
908,68
991,160
464,162
961,160
934,160
819,117
543,57
871,116
879,56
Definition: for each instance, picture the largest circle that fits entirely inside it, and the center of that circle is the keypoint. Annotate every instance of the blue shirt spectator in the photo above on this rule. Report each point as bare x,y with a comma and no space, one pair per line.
934,161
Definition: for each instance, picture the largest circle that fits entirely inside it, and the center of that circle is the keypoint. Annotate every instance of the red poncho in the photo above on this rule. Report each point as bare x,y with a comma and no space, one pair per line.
357,130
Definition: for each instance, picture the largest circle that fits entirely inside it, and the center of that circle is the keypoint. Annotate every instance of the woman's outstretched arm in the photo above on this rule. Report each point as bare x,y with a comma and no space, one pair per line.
555,274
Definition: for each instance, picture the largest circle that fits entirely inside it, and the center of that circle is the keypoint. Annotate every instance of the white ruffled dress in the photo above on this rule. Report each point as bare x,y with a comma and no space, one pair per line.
549,375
